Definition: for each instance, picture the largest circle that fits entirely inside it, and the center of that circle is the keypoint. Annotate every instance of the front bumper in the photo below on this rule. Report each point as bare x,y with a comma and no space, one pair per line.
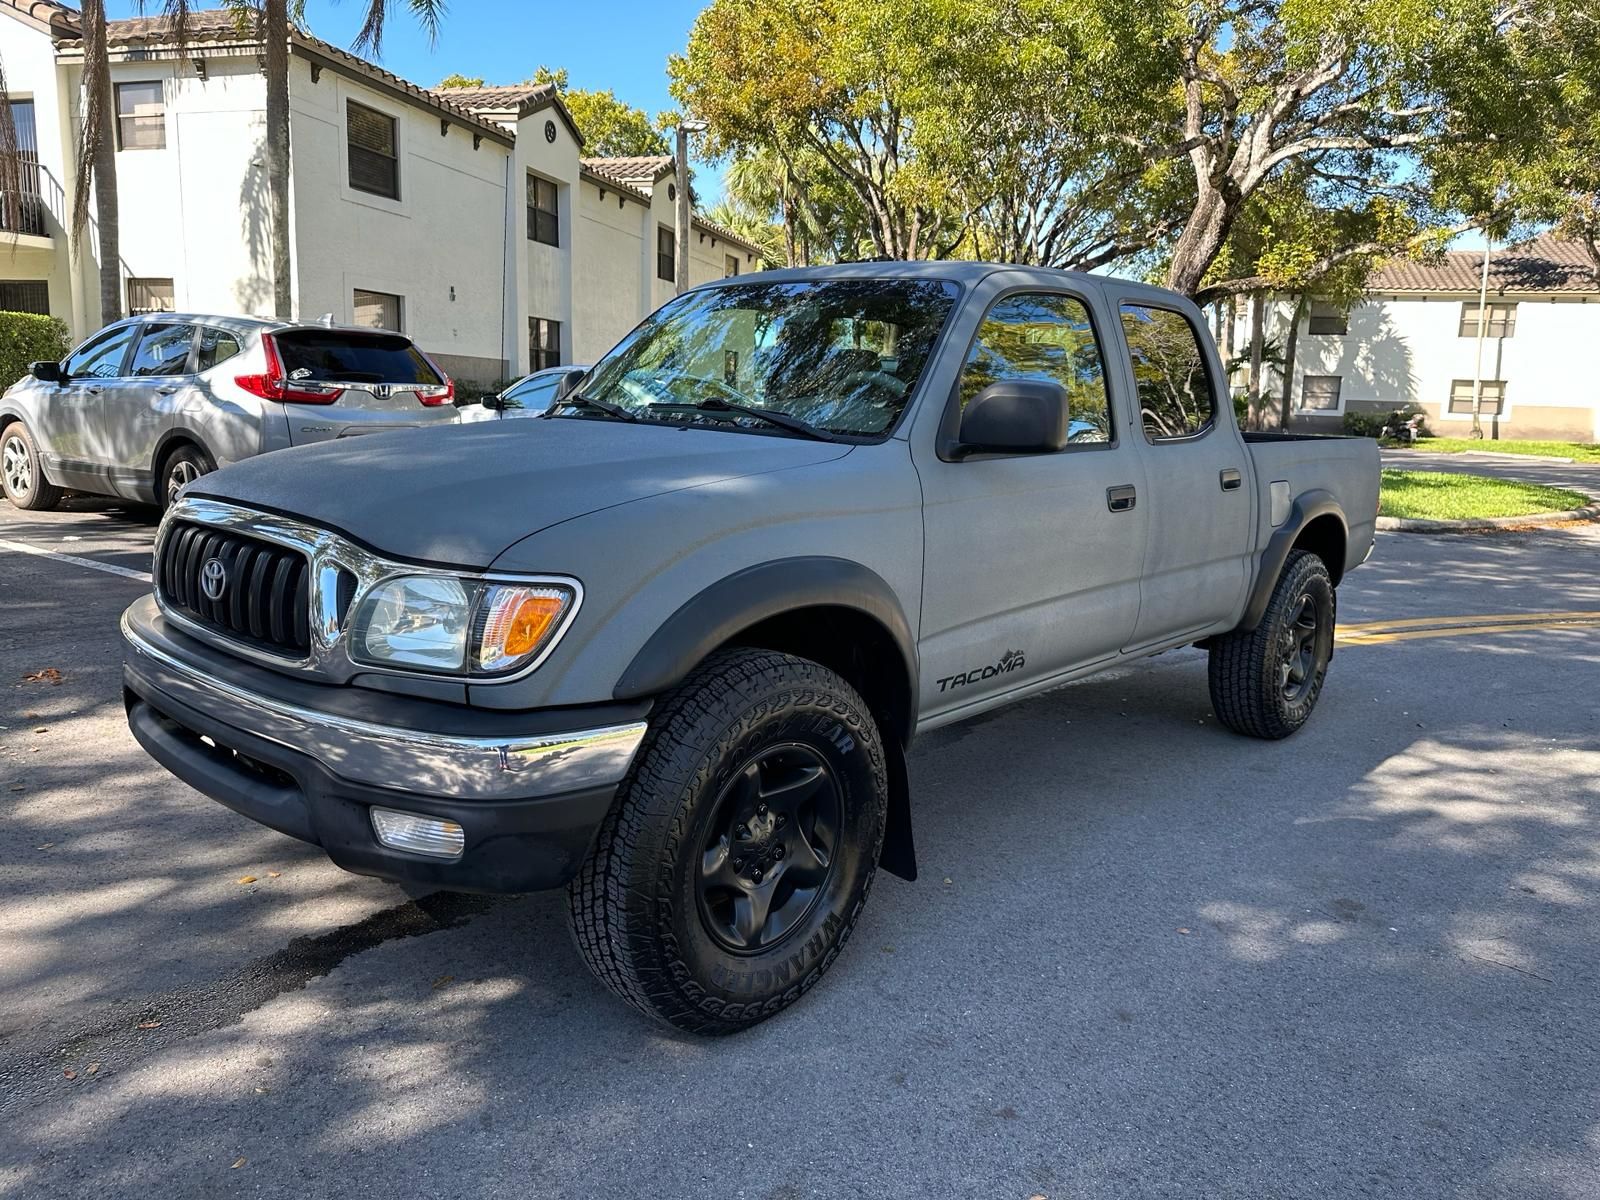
528,790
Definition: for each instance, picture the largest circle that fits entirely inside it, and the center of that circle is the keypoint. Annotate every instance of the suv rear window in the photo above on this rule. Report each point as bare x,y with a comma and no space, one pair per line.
341,356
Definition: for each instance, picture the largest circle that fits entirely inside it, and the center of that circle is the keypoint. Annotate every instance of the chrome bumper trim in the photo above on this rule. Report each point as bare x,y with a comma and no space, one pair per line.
404,759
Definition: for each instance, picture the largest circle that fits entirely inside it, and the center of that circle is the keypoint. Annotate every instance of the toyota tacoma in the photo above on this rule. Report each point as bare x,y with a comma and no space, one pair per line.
668,645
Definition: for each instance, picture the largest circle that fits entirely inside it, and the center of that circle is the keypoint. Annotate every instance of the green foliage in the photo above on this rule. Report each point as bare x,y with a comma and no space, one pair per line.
1364,424
1437,496
1577,451
460,81
26,338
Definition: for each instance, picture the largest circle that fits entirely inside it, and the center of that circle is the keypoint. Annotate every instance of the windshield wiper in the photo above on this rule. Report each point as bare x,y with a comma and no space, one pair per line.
781,419
578,400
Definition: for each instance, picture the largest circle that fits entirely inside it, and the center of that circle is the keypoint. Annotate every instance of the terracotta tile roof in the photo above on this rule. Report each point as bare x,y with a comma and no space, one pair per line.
214,25
643,168
1546,263
498,98
608,181
58,18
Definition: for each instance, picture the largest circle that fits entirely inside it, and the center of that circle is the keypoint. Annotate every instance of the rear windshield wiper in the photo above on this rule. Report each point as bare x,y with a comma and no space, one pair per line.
781,419
578,400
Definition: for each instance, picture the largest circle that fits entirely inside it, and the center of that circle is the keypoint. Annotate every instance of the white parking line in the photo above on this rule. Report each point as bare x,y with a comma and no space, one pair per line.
108,568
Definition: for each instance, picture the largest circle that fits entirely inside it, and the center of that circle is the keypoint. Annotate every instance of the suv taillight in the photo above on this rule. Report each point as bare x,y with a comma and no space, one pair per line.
273,386
439,394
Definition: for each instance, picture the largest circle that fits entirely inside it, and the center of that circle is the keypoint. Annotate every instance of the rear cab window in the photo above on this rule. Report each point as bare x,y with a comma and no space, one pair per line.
1176,398
340,356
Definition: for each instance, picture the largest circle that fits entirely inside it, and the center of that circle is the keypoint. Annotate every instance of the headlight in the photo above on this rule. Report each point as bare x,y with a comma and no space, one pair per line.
448,626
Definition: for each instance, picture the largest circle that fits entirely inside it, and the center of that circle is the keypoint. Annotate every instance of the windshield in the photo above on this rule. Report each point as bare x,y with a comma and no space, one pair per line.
840,355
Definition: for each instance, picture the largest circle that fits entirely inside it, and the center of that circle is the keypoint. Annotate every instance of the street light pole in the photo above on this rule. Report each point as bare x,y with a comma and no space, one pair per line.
681,242
1483,325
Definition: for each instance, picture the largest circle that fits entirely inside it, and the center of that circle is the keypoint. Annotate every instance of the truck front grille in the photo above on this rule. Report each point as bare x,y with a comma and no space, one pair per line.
245,588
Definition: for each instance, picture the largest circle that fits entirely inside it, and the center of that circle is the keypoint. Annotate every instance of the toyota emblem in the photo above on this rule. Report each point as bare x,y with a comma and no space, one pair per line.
213,578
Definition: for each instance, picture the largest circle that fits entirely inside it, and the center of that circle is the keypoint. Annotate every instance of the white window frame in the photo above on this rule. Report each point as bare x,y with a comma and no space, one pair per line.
1446,414
1300,405
397,113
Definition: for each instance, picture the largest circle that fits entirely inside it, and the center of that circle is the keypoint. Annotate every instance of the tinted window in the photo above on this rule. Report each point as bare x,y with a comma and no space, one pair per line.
374,157
101,357
532,395
1176,399
216,346
352,357
163,350
840,354
1044,336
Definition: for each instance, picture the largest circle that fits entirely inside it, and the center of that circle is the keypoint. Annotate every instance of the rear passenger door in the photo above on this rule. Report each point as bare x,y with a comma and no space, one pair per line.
1030,570
1197,557
138,408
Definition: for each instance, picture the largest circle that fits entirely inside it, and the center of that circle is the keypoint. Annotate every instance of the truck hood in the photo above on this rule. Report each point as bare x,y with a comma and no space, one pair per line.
460,495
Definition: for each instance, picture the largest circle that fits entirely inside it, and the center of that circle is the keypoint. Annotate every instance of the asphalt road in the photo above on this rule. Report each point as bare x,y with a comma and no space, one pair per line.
1146,957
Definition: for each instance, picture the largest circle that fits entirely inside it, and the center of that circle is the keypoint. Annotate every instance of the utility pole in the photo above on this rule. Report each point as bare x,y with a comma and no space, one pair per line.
681,243
1483,326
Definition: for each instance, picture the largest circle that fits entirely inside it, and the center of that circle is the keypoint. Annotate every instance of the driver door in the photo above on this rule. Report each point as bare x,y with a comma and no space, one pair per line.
1032,560
69,420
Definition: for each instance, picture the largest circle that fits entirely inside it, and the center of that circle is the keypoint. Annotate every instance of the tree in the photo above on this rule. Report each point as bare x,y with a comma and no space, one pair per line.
96,167
611,128
460,81
754,227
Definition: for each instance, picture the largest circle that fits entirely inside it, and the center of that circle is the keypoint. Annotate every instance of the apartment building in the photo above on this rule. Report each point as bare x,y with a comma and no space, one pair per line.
469,219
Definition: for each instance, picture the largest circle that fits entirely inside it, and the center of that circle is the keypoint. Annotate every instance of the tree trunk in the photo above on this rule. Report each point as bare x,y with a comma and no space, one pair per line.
1258,321
101,156
1300,305
1201,239
275,33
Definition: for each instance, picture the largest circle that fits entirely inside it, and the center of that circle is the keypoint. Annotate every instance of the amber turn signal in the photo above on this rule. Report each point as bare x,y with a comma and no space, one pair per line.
520,620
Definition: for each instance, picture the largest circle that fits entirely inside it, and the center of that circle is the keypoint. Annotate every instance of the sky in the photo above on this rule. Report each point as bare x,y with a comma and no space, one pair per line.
602,43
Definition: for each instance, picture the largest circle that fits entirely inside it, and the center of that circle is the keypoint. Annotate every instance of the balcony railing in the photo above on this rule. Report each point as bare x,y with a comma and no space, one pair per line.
22,210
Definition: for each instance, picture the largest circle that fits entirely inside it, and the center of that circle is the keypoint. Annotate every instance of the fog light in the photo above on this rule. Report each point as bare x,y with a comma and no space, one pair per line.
418,834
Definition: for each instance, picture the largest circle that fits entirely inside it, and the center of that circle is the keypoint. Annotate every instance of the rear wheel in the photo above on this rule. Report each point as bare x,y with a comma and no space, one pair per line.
741,847
21,476
183,466
1265,681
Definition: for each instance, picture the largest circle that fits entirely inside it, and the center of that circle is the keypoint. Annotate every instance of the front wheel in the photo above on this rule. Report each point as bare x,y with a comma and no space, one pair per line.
21,476
740,850
1265,681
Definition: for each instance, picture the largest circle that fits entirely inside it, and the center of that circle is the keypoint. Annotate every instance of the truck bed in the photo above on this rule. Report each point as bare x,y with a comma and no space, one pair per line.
1347,468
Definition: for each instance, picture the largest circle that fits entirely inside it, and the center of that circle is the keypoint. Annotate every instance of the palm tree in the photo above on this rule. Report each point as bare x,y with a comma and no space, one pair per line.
97,161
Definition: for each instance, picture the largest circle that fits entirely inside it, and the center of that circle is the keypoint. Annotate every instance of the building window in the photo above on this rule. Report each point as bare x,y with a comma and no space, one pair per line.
1328,318
1502,319
150,296
666,255
1320,393
25,295
732,268
374,151
544,344
544,220
1494,396
378,310
141,116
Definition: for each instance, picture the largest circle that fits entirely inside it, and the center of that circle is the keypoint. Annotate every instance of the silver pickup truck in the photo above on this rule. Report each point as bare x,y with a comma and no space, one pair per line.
667,646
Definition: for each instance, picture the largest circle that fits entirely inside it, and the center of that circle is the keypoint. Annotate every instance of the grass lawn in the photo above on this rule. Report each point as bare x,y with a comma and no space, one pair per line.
1578,451
1435,496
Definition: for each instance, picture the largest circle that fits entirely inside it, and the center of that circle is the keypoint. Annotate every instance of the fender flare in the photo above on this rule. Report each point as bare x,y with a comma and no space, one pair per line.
752,595
1307,508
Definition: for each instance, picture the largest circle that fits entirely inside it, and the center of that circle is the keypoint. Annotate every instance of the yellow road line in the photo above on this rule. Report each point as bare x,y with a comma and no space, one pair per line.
1478,619
1373,635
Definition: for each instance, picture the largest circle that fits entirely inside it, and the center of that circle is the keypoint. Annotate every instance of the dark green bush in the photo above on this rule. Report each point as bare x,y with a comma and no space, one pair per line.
1365,424
26,338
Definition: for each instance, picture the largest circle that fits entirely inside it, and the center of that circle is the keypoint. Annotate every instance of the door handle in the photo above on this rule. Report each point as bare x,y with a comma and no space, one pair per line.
93,391
167,390
1231,478
1121,499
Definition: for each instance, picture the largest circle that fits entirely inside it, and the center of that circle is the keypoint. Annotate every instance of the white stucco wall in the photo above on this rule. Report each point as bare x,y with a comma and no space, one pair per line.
608,275
543,272
441,246
32,73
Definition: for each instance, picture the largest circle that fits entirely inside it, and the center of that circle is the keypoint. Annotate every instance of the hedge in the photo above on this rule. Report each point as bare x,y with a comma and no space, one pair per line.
26,338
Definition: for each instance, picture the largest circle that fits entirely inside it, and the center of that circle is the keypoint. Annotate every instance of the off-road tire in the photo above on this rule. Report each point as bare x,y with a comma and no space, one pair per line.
183,465
635,906
39,495
1249,690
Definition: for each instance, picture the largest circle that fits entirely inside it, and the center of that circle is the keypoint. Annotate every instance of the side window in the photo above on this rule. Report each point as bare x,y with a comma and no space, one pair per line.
101,357
1043,335
216,346
532,395
1176,399
163,350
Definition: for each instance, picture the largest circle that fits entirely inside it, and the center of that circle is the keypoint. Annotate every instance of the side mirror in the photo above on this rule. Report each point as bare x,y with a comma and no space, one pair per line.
494,402
46,372
569,383
1016,416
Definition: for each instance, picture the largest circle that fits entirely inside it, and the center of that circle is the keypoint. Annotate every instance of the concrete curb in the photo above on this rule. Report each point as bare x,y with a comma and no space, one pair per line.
1489,524
1497,455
